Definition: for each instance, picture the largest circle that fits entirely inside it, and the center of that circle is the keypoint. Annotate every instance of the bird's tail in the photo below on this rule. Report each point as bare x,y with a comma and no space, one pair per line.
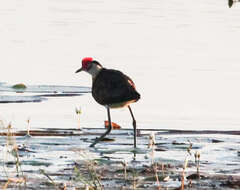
137,96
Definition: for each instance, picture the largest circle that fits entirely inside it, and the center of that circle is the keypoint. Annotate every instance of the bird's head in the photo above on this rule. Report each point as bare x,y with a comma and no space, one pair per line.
90,66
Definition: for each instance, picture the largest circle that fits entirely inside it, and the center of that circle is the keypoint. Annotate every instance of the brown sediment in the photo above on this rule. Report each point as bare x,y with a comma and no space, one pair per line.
41,133
91,131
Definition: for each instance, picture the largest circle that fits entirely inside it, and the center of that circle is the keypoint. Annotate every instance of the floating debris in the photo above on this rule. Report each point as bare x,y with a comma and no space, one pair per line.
177,143
114,125
158,149
195,176
216,141
107,139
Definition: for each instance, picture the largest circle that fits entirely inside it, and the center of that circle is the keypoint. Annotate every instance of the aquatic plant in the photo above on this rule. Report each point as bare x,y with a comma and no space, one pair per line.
78,112
28,128
11,148
49,178
124,163
151,145
152,140
197,161
185,165
19,86
92,180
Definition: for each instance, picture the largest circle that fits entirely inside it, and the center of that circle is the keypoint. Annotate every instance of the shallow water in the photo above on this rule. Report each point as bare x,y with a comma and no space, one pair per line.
57,155
183,57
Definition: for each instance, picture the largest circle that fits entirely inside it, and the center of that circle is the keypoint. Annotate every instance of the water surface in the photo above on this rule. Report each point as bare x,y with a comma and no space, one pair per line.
182,55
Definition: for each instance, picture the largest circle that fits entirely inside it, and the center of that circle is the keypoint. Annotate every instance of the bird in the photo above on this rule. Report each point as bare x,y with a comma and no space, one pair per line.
112,89
230,3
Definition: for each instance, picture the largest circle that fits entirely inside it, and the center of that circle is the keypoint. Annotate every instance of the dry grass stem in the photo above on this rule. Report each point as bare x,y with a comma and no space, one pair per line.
45,174
28,127
156,175
14,180
78,112
197,161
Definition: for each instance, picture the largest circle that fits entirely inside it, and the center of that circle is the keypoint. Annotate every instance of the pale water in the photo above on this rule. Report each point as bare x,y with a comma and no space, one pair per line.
182,55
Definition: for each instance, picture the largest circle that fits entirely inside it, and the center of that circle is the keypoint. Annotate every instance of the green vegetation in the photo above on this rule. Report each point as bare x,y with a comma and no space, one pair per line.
19,86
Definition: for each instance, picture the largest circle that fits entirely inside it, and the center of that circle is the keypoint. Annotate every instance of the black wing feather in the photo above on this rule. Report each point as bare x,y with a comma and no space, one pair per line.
112,86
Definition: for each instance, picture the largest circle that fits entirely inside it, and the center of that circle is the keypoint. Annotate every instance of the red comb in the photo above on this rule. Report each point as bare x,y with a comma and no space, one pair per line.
85,61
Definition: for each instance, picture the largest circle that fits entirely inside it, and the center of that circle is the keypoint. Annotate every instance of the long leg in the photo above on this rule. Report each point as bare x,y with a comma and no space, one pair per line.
134,127
108,130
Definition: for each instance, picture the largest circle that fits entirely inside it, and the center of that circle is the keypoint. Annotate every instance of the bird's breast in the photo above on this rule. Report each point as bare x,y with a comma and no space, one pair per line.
121,104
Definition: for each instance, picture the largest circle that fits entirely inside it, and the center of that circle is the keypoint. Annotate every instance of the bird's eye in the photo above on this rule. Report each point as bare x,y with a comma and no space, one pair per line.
89,65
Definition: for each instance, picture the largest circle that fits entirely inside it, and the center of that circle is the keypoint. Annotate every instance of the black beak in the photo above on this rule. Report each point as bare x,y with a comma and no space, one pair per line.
79,70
